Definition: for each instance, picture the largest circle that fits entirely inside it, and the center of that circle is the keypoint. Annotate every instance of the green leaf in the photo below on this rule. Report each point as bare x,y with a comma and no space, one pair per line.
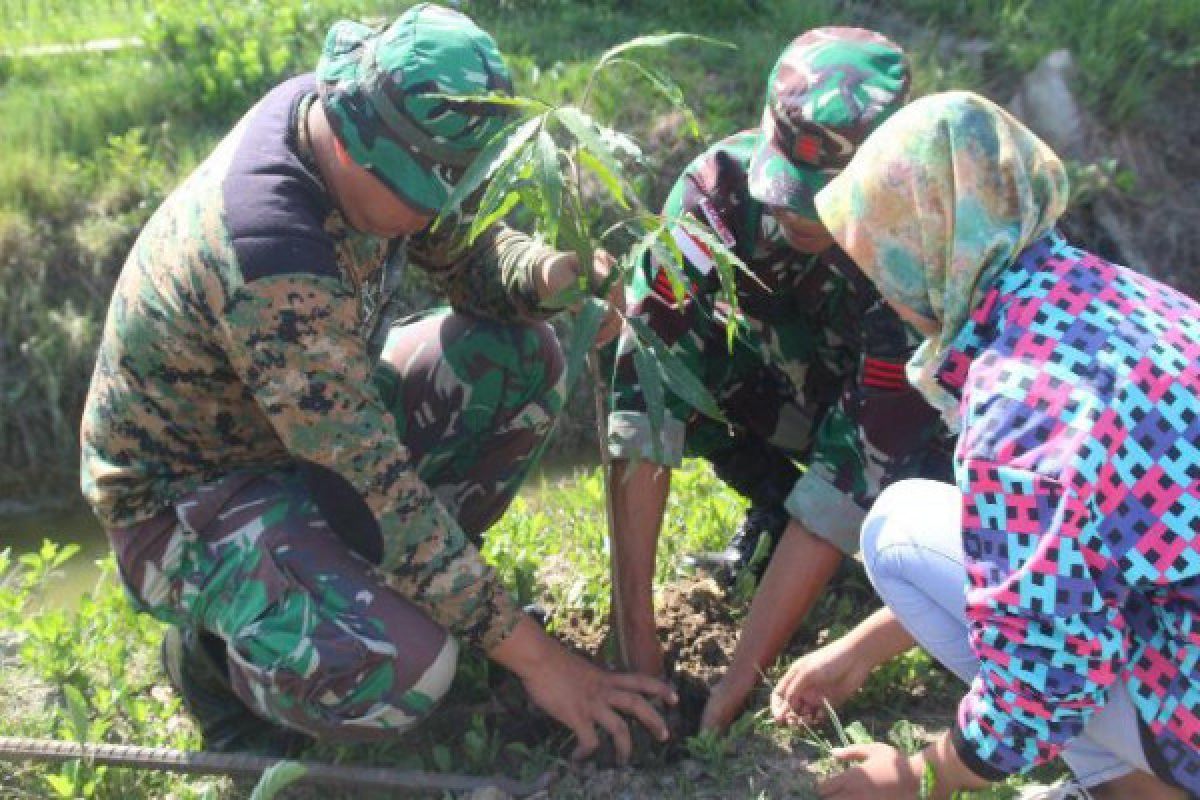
655,41
442,758
632,261
675,373
63,785
65,553
587,324
667,253
78,710
607,177
928,781
727,264
277,778
668,88
652,390
857,733
550,185
498,208
603,158
528,104
498,152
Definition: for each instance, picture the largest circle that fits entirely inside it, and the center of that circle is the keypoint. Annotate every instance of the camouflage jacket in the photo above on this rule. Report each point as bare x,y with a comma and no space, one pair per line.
815,318
235,341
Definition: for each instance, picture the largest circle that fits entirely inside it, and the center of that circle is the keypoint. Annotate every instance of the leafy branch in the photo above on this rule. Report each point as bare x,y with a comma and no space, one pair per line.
539,162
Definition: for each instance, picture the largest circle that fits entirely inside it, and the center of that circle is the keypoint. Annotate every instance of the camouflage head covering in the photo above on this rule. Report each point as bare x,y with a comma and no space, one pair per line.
829,89
937,202
385,95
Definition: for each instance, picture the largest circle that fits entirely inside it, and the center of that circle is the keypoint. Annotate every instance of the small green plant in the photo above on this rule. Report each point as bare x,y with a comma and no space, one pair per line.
714,749
93,668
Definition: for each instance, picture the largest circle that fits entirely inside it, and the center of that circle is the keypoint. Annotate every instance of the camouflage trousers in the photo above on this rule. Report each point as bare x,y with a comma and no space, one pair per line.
314,638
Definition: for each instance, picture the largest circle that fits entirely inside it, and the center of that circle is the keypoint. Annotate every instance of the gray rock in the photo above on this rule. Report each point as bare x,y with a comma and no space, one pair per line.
1045,103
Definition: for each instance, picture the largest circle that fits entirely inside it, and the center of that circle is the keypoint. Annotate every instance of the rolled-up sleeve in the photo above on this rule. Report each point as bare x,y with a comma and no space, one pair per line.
494,277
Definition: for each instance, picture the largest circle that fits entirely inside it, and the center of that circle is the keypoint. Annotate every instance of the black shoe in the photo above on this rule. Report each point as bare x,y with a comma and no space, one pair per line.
196,666
751,547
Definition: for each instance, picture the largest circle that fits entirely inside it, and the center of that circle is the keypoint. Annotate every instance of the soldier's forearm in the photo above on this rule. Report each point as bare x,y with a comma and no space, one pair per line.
797,575
639,496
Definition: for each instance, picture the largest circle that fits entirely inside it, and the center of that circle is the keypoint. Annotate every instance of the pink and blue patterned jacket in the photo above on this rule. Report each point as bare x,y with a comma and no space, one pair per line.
1079,465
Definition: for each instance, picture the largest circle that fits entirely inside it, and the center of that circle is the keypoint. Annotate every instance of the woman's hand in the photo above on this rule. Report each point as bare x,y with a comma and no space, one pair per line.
828,675
879,771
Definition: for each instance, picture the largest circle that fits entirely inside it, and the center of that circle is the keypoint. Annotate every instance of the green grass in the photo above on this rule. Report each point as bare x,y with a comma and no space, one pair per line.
40,22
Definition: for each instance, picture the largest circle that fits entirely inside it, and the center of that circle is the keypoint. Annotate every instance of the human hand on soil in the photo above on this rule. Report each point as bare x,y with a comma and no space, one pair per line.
831,674
581,695
879,770
725,702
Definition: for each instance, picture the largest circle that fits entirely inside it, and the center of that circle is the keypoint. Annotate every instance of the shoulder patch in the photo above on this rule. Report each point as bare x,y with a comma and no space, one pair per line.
275,208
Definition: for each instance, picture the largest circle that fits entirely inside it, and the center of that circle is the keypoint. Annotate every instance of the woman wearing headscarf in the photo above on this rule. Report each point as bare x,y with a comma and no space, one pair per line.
1060,576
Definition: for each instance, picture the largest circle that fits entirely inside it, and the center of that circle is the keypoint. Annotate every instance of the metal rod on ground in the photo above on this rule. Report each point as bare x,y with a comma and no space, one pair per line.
164,759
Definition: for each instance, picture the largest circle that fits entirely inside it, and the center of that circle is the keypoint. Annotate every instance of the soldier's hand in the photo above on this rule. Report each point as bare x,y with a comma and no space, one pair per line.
603,266
560,273
580,695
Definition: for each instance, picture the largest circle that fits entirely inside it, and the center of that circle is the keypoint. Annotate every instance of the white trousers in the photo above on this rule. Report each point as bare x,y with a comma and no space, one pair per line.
912,548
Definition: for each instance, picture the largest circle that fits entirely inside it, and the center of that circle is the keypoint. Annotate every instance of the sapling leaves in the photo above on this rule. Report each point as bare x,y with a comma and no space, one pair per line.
652,389
667,252
583,333
665,86
675,373
537,162
501,195
595,151
654,41
550,185
499,152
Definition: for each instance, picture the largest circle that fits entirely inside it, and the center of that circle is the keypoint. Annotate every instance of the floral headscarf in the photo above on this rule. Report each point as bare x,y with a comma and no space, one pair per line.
937,201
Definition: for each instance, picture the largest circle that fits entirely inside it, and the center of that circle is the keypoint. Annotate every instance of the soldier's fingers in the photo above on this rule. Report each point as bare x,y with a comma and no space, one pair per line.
617,729
636,706
586,740
634,682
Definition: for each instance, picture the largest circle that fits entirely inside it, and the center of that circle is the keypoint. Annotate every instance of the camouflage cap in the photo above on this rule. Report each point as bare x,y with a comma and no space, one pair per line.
385,95
829,89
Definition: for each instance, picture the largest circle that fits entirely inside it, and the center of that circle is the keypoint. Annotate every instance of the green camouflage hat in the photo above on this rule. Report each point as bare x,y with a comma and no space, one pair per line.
828,91
384,93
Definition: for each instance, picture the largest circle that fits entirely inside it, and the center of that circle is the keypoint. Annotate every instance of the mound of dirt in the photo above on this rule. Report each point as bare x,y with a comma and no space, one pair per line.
698,631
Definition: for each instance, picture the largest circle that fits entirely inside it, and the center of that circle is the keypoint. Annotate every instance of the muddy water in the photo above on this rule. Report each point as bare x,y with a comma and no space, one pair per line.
25,532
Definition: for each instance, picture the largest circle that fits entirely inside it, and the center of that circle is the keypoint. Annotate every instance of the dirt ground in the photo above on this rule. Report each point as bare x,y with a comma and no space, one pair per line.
698,626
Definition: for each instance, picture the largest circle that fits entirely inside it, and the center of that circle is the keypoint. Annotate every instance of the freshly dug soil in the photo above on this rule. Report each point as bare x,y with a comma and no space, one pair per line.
698,631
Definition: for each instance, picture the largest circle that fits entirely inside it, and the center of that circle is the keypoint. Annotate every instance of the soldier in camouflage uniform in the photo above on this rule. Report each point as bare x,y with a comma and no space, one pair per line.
814,376
307,517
